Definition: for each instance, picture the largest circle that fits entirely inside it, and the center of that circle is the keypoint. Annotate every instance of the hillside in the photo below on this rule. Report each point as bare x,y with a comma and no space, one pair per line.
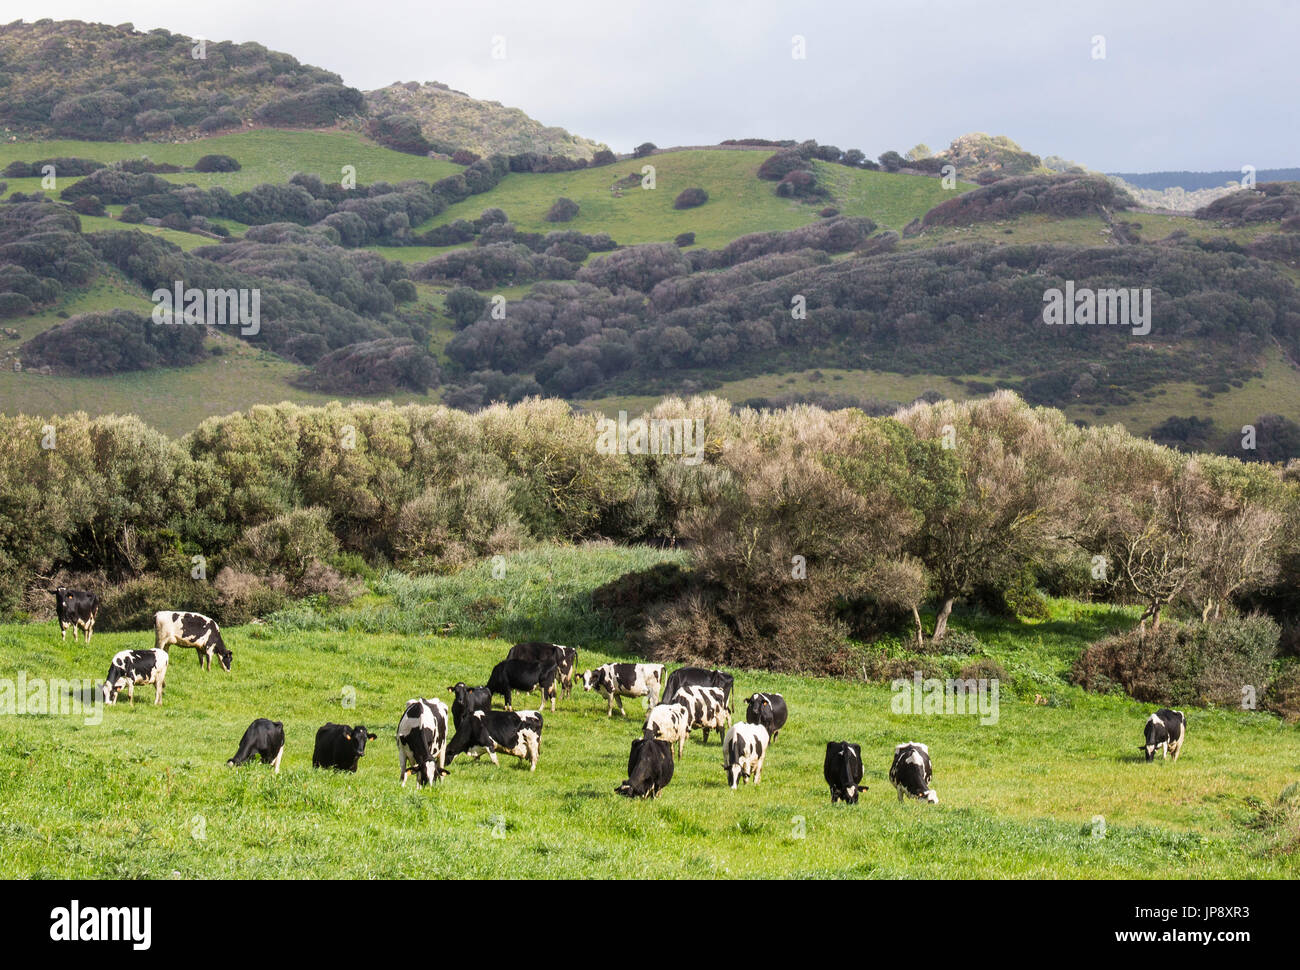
455,119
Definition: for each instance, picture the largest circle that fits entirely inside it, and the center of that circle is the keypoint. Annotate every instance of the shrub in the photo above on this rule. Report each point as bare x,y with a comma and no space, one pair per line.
288,543
1198,665
373,367
684,239
644,149
690,198
131,605
463,156
14,305
778,166
89,205
563,210
465,305
1284,693
131,214
443,529
243,597
217,163
111,342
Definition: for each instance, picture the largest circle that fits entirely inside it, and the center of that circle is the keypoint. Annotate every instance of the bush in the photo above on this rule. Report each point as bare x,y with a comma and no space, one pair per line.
644,149
243,597
89,205
112,342
288,543
1284,693
131,214
684,239
563,210
690,198
442,530
217,163
465,305
1197,665
131,605
373,367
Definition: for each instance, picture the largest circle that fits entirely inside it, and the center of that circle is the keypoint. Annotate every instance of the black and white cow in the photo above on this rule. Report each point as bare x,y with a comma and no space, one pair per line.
340,747
843,771
76,608
131,667
191,630
616,681
698,677
649,769
743,751
422,740
670,723
911,773
265,738
564,658
524,675
1165,729
486,732
466,700
707,707
768,710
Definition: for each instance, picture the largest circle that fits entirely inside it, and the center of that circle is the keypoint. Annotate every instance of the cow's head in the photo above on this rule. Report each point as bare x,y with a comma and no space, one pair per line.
357,737
60,598
758,710
225,656
119,675
1155,734
592,679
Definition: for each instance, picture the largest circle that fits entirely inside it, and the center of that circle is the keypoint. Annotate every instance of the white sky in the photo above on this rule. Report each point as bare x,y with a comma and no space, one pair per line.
1186,84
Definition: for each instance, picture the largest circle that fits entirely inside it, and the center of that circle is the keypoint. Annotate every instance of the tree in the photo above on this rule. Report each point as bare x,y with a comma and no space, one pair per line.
465,305
891,161
562,211
644,149
920,151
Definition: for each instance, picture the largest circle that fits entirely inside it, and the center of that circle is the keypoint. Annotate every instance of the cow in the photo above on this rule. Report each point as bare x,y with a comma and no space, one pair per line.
486,732
422,740
131,667
524,675
340,747
466,700
743,751
768,710
1165,729
649,769
617,681
911,773
668,722
565,659
843,771
698,677
76,608
191,630
265,738
707,707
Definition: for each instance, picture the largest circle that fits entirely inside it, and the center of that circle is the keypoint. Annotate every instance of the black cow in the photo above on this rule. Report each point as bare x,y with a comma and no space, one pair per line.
843,771
486,732
698,677
524,675
76,608
649,769
265,738
339,746
467,700
191,630
910,772
1165,729
768,710
422,740
564,658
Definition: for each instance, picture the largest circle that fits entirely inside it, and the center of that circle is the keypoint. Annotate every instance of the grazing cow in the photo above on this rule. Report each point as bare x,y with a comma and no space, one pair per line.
707,706
76,608
743,751
191,630
131,667
669,722
422,740
466,700
564,658
486,732
1165,729
524,675
698,677
617,681
843,771
265,738
340,747
768,710
911,773
649,769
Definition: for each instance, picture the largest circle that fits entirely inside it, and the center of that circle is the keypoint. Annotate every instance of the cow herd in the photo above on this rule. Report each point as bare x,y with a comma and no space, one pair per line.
430,736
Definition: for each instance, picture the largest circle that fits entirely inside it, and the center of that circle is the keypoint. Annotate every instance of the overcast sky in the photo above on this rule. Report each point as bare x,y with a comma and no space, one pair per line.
1184,84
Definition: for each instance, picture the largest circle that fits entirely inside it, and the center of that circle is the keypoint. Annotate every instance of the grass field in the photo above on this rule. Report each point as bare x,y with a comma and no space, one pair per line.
1047,791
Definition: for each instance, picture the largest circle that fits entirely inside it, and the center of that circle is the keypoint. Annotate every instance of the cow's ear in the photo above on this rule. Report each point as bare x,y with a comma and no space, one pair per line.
371,736
347,735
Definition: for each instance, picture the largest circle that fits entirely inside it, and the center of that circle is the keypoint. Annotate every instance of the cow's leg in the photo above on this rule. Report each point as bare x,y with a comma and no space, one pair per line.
63,632
492,753
900,796
620,704
90,628
534,749
509,698
401,765
130,692
275,765
158,690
